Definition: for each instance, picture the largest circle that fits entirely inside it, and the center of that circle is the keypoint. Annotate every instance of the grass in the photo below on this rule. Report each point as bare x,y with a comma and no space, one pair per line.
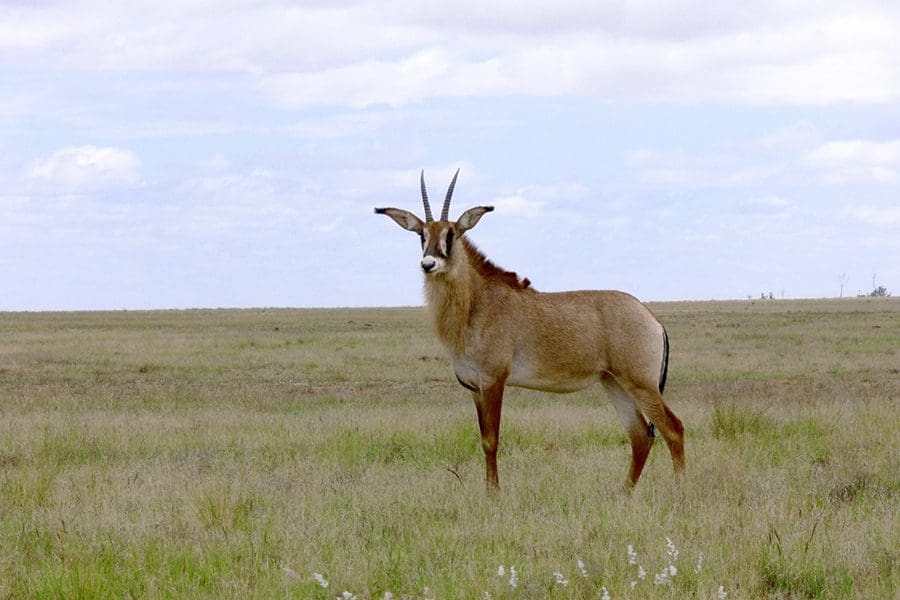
235,454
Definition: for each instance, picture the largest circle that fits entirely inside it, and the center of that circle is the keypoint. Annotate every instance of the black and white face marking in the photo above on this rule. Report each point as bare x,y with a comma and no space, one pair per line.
437,245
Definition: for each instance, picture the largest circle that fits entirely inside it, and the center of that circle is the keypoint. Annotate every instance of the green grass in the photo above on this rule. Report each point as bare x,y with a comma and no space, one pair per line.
233,454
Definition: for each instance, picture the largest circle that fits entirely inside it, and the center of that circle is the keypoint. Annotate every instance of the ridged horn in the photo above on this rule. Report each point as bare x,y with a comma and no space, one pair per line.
445,212
428,215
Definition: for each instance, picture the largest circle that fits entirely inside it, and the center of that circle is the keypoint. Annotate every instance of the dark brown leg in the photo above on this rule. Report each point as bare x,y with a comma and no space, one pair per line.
488,402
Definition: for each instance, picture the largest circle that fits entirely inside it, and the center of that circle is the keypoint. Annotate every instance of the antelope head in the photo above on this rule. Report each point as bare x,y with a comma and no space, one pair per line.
438,237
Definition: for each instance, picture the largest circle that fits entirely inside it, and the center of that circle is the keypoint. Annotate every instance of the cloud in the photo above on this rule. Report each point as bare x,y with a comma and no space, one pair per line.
856,161
88,166
649,19
799,136
346,125
873,215
770,201
516,205
359,54
216,162
556,200
816,60
769,205
248,37
26,31
614,222
428,73
724,169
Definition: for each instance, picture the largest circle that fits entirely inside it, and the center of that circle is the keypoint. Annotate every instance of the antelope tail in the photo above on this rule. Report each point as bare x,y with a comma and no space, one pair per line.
665,362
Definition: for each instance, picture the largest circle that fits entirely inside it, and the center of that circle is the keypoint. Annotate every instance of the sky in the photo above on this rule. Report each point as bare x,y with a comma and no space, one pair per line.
229,153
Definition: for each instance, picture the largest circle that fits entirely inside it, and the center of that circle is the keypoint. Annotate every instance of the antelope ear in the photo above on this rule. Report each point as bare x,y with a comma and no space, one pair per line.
470,218
404,218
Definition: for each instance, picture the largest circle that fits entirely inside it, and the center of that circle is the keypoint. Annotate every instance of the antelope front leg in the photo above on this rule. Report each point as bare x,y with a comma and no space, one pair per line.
488,401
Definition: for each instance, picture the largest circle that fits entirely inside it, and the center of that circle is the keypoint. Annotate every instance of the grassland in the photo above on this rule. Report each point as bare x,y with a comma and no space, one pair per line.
235,454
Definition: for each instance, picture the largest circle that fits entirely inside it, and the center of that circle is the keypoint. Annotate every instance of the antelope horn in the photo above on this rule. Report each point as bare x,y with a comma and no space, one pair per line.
445,212
428,215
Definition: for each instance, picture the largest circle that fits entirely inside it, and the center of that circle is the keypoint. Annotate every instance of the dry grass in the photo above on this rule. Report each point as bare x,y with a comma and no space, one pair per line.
236,453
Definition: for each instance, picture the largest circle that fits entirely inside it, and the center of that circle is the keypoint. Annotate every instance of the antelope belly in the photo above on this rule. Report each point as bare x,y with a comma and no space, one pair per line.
561,382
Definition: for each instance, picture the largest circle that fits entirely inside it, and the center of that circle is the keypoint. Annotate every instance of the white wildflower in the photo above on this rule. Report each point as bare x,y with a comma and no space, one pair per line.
699,566
671,550
721,594
581,568
513,577
320,579
632,555
604,595
427,593
346,596
665,577
388,596
662,578
641,575
501,572
560,579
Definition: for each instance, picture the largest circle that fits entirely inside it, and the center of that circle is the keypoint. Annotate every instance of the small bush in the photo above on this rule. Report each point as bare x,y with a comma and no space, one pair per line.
732,420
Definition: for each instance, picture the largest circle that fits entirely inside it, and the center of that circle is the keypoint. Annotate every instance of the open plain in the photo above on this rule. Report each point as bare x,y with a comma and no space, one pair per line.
269,453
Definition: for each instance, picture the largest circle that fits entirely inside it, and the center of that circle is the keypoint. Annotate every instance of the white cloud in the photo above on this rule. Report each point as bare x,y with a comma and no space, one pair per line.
88,166
770,201
799,136
820,60
813,61
678,168
556,200
16,104
770,205
27,31
346,125
361,54
702,238
856,161
840,152
614,222
195,36
873,215
216,162
516,205
327,227
432,72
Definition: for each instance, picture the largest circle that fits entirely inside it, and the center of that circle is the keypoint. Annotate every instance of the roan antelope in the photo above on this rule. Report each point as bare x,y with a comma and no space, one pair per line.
500,331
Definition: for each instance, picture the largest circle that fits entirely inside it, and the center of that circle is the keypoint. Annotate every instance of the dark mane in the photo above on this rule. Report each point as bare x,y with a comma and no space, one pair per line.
489,270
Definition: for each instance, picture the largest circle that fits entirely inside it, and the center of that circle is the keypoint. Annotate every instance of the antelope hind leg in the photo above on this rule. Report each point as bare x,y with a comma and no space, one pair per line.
635,425
651,403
